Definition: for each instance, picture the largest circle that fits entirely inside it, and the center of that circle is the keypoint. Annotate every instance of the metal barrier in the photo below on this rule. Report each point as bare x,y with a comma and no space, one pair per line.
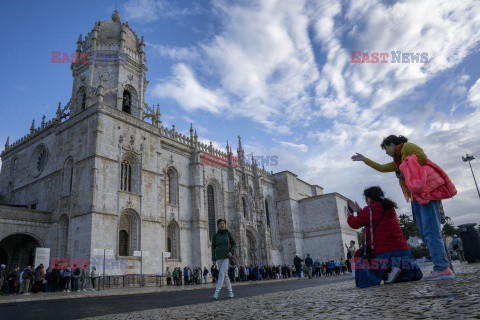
130,280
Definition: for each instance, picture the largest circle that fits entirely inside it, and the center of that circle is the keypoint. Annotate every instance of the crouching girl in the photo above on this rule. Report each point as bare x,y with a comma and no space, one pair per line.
385,255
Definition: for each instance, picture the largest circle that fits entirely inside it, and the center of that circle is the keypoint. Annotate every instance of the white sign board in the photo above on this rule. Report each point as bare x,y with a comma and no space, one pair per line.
166,254
141,253
98,252
109,252
42,256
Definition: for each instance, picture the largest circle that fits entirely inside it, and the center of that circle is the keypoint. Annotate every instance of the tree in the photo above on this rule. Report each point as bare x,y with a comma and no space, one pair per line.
409,228
420,252
450,230
361,236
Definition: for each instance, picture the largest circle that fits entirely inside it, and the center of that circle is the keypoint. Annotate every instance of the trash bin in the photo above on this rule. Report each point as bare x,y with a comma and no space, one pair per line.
471,242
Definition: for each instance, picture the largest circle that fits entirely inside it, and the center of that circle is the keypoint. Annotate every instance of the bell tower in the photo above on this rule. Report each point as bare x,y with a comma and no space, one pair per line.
111,69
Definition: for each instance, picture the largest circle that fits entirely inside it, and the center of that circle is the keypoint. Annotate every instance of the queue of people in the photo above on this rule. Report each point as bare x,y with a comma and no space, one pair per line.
35,280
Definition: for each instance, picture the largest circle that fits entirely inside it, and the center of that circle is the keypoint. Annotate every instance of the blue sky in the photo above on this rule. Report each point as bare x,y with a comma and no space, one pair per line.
279,74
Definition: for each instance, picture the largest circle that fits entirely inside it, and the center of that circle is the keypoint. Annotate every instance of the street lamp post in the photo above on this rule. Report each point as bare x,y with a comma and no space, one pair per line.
468,158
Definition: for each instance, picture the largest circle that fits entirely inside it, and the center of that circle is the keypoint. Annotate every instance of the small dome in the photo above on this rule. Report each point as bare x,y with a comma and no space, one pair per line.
109,34
115,16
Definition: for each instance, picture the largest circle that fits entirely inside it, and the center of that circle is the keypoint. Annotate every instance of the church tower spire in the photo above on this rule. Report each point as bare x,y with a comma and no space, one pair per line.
115,55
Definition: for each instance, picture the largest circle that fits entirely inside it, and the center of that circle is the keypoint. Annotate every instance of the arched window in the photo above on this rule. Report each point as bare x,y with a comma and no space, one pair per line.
173,240
171,186
123,243
244,204
267,213
127,102
68,177
63,236
126,176
82,98
128,233
211,211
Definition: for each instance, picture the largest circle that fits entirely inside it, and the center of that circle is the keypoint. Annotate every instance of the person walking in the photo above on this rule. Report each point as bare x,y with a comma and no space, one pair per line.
457,246
223,248
297,262
426,184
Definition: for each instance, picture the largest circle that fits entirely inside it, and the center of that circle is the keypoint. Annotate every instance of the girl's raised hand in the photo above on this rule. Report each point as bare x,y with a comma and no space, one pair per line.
354,206
358,157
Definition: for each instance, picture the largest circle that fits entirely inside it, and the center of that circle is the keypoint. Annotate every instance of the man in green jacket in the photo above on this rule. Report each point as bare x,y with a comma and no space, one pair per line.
223,248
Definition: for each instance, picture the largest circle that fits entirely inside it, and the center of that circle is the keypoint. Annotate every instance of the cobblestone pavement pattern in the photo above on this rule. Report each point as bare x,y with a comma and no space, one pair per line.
445,299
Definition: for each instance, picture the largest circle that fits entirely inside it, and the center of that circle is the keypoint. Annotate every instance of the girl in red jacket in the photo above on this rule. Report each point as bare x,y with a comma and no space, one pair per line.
388,251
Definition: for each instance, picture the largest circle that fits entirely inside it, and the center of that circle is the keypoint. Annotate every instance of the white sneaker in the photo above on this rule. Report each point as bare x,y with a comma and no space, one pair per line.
68,290
393,275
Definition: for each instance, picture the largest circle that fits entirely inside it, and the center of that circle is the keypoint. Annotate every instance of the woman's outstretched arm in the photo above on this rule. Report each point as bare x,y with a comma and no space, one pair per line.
389,167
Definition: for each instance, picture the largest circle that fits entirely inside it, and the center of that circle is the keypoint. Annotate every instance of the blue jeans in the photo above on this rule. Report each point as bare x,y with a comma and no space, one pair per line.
429,227
298,272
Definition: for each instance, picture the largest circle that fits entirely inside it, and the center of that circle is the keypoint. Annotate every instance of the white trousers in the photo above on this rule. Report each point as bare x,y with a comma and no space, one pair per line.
223,274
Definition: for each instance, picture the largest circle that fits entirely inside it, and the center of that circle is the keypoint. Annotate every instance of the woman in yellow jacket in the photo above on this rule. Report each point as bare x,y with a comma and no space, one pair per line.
427,215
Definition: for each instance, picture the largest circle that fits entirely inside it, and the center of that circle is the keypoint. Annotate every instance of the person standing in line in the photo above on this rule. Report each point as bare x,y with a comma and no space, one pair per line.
26,278
309,265
3,276
237,274
223,247
350,253
48,278
93,277
83,277
457,246
56,276
168,275
297,262
317,267
205,275
37,278
14,279
66,275
426,184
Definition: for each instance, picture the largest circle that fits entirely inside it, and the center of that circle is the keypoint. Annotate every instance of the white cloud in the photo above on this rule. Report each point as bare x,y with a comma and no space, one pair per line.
175,53
300,147
188,92
262,65
151,10
474,93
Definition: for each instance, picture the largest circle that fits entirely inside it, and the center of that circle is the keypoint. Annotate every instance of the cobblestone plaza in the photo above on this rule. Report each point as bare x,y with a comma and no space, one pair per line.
457,298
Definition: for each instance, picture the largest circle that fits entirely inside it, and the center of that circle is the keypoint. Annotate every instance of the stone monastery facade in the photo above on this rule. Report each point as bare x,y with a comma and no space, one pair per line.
99,176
